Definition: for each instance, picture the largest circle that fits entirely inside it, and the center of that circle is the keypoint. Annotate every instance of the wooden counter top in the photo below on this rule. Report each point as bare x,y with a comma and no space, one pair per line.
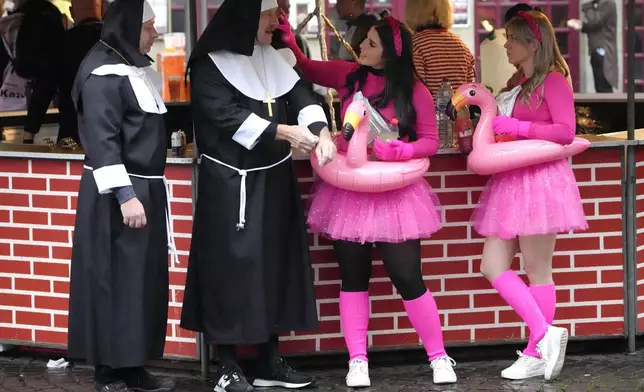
33,151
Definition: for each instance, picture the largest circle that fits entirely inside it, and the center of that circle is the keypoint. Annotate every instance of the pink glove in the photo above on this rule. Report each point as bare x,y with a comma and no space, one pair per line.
287,34
395,150
504,125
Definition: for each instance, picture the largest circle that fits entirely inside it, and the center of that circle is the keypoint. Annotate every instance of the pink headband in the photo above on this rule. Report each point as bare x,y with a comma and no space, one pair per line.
395,30
532,24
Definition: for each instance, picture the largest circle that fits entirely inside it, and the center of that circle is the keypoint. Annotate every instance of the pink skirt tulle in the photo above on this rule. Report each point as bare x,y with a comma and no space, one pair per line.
394,216
536,200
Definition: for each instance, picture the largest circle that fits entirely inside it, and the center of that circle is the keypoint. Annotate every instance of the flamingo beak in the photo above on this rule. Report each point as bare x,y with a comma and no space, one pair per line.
351,121
454,105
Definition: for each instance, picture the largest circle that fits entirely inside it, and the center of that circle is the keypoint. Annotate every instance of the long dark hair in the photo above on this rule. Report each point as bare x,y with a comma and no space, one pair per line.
399,75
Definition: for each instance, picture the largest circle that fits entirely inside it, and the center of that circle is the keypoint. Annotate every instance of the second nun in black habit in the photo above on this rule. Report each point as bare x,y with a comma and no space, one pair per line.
249,275
119,269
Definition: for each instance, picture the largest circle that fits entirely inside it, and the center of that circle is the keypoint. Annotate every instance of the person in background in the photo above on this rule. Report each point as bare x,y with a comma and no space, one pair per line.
31,58
438,53
118,302
79,40
358,22
600,26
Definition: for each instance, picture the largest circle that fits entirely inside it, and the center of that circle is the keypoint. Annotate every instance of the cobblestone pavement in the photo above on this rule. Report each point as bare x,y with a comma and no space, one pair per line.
614,372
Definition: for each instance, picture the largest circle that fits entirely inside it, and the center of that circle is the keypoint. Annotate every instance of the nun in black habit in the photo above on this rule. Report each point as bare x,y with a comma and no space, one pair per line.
249,275
119,268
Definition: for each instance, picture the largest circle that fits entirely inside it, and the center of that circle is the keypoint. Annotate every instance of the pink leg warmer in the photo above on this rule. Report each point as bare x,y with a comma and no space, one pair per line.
546,298
354,317
518,296
423,315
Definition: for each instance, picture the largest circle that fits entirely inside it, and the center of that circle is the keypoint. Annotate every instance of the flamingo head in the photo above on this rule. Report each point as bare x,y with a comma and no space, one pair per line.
471,94
354,117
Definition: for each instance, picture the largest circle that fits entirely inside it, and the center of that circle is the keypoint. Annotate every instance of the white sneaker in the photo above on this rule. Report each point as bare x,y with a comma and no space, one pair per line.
552,349
443,372
358,375
525,367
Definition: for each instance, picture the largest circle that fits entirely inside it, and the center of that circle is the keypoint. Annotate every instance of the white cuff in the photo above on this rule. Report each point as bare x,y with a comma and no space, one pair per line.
249,132
108,177
311,114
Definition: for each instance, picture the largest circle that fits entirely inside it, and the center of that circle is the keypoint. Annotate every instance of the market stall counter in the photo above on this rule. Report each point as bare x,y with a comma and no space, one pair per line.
38,194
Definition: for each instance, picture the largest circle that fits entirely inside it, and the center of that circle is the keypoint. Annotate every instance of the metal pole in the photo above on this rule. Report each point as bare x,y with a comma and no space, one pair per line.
203,16
629,188
191,26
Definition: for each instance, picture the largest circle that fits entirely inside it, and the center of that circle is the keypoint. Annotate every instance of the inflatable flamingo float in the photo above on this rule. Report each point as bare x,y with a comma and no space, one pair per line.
354,172
489,157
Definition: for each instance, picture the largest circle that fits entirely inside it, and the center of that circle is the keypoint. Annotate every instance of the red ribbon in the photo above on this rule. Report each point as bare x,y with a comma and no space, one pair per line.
395,31
532,24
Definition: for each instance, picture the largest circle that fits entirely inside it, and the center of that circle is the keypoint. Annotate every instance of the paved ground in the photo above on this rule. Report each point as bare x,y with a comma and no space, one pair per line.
614,372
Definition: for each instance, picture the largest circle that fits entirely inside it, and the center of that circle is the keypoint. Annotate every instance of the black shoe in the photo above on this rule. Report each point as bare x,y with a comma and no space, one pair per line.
139,380
118,386
280,374
231,379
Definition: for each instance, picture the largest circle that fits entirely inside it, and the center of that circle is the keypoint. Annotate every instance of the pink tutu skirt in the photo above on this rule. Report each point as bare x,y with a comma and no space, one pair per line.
539,199
394,216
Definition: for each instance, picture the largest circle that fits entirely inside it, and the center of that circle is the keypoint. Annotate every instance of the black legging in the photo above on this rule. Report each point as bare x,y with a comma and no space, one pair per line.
401,260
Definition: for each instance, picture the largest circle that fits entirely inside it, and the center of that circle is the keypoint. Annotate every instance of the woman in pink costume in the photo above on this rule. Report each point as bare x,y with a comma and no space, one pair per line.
526,208
394,221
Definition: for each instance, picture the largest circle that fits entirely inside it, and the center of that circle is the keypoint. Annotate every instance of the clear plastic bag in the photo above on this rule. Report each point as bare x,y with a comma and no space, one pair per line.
377,125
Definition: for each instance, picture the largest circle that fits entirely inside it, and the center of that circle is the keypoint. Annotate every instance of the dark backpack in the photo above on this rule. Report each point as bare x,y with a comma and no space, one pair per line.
40,36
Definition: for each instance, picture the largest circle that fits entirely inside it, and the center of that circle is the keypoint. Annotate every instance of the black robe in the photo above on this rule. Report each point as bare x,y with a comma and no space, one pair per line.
245,285
119,275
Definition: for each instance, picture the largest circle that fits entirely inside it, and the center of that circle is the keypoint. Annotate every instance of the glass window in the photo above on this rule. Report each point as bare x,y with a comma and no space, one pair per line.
562,41
178,21
559,16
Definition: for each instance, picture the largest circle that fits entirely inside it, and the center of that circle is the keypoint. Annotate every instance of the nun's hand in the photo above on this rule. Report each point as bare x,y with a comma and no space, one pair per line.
326,149
287,33
133,214
300,138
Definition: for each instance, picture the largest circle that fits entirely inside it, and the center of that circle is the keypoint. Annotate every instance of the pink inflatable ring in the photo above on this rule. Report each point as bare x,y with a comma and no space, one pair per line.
354,172
489,157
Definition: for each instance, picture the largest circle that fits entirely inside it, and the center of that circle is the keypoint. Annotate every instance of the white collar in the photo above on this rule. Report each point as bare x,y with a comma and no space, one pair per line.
267,69
144,82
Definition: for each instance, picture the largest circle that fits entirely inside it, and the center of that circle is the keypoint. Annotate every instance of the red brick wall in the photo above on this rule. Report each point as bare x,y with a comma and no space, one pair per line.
37,200
639,208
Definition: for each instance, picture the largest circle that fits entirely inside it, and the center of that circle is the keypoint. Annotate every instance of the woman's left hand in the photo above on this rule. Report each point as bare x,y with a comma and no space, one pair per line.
326,149
504,125
393,150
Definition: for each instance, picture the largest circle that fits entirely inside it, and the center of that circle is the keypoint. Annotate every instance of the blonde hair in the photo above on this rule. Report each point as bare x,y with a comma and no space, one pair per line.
547,57
427,12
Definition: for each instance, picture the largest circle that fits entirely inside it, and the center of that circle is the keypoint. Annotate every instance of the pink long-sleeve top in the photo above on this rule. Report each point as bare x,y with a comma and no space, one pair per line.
333,74
551,110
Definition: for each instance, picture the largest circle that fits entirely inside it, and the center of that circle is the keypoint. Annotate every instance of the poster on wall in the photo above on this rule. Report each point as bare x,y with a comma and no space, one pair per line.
461,13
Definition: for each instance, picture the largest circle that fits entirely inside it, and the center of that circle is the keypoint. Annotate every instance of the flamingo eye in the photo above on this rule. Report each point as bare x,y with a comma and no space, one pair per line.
472,93
364,114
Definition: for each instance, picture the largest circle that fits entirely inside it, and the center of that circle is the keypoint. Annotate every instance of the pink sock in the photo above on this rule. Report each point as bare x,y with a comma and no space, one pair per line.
518,296
354,317
546,298
423,315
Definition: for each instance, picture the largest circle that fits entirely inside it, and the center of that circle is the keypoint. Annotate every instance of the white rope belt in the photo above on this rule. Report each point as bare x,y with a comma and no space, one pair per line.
242,188
168,216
